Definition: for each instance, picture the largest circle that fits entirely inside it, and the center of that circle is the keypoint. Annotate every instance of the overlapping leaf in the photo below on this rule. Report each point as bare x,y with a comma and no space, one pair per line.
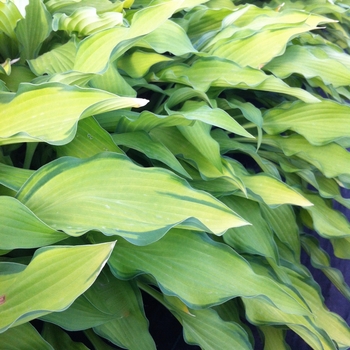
137,203
320,124
197,284
64,272
49,112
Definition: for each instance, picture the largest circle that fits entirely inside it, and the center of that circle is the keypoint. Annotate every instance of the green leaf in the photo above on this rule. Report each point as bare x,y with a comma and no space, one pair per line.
49,112
254,239
319,123
274,338
168,37
111,80
181,147
320,259
252,50
90,139
51,282
131,202
283,222
85,21
327,222
58,60
12,177
138,63
69,6
9,16
305,61
177,263
80,315
260,187
20,228
212,116
215,72
331,159
32,30
93,57
142,142
198,134
59,339
206,329
24,336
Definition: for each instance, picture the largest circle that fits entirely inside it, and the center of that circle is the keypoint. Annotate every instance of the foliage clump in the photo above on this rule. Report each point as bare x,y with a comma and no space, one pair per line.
179,149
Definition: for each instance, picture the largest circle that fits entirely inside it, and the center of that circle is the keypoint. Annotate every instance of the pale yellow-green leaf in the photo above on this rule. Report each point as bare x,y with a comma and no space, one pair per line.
301,60
85,21
331,159
93,57
51,282
215,72
9,16
140,204
58,60
200,271
319,123
139,62
50,112
20,228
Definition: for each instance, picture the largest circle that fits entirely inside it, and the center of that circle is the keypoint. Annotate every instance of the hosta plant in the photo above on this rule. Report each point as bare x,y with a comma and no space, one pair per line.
178,150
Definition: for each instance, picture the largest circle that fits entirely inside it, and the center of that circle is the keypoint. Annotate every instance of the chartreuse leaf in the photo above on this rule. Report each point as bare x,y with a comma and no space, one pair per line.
20,228
142,142
302,60
85,21
25,336
140,204
215,72
327,222
9,16
49,112
13,177
254,239
319,123
176,262
58,60
59,339
320,259
32,30
90,139
331,159
274,338
93,57
55,277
